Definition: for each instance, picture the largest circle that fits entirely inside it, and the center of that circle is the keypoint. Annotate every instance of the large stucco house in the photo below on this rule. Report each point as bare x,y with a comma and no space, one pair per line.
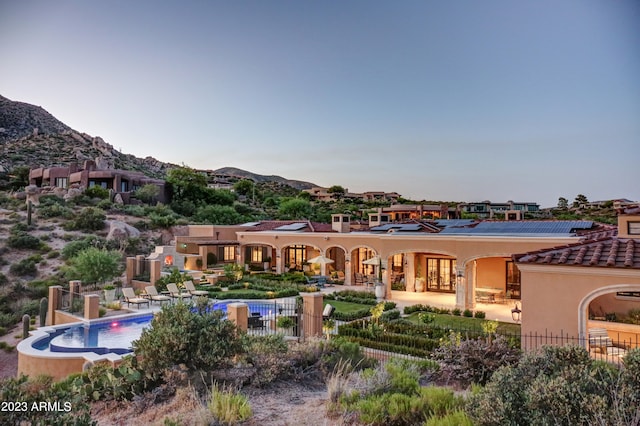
558,272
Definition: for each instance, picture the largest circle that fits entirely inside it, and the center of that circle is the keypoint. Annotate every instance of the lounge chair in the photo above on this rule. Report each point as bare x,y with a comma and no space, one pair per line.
600,341
154,296
177,294
131,298
192,289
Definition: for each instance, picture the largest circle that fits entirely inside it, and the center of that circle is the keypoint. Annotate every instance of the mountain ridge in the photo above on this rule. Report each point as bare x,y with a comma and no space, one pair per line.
32,137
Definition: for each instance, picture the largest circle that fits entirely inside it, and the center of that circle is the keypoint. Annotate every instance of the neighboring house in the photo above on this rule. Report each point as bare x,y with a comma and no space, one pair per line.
123,182
488,210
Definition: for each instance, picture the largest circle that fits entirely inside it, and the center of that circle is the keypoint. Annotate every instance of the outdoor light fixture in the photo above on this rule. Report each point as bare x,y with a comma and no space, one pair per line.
516,313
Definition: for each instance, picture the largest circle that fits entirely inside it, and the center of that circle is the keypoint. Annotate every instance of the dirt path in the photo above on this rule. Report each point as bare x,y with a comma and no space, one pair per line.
9,360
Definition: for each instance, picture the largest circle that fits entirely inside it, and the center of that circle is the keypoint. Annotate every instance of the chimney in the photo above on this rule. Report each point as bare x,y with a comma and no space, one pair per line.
341,223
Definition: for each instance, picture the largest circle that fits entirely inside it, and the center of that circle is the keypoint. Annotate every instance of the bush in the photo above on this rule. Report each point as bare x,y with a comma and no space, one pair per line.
97,192
89,219
559,385
179,336
71,249
267,357
22,240
473,360
479,314
467,313
24,267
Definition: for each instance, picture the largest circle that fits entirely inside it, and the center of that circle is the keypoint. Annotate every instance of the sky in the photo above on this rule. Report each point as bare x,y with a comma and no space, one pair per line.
459,100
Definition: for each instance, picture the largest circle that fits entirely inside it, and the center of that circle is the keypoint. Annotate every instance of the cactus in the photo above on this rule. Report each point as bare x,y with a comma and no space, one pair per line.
29,209
26,323
44,307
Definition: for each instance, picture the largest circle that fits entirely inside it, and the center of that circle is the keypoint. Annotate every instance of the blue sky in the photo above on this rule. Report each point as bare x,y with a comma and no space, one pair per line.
448,100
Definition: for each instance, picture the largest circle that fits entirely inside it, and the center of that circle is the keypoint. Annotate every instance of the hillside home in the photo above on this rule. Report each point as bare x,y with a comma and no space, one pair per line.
123,182
488,210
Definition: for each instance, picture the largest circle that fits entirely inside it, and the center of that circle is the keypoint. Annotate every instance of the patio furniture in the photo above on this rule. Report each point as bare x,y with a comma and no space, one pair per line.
177,294
154,296
131,298
192,289
600,342
255,321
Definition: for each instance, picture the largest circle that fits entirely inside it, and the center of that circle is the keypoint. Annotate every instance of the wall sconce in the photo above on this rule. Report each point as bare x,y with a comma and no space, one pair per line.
516,313
326,238
275,238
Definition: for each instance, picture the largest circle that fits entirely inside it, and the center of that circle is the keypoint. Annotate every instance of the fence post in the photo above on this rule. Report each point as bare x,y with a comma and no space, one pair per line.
91,306
312,312
239,314
155,270
131,270
55,300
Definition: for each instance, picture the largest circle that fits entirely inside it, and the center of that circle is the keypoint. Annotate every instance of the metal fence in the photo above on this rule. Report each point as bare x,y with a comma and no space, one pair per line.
72,303
265,317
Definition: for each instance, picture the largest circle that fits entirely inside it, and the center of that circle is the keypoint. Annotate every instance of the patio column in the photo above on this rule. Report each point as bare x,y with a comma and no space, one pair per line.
55,301
410,273
347,271
470,285
312,311
239,314
279,269
461,292
131,269
91,306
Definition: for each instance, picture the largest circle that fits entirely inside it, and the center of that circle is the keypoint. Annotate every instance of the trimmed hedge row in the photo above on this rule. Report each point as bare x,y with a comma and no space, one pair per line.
384,346
360,330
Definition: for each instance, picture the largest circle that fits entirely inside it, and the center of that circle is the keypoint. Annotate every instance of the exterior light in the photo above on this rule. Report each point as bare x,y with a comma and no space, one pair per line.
516,313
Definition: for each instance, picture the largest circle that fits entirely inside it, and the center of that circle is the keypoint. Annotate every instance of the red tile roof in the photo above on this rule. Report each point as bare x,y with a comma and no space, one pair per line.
610,252
271,225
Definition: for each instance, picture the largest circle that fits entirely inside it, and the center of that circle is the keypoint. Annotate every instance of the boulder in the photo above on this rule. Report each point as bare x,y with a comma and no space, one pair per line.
119,230
117,199
72,193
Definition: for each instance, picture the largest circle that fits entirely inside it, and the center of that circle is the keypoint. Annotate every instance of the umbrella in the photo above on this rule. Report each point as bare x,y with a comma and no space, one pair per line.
375,260
322,260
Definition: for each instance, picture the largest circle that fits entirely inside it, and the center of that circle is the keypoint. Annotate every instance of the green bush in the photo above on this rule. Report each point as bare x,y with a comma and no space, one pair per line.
24,267
229,407
54,210
72,248
267,355
479,314
179,336
97,192
89,219
467,313
559,385
22,240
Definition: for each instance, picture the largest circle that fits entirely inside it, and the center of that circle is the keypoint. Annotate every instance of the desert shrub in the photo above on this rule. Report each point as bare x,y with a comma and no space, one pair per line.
133,210
229,407
104,205
71,249
473,360
267,357
97,192
8,320
53,254
22,240
558,385
54,210
179,336
24,267
454,418
89,219
3,279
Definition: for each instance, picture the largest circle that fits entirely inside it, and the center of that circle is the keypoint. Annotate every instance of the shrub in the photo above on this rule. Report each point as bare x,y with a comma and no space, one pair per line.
22,240
97,192
229,407
456,312
71,249
473,360
479,314
24,267
467,313
267,357
53,254
179,336
89,219
558,385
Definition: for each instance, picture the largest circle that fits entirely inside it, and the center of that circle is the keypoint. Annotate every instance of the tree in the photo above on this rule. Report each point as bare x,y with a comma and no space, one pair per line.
19,178
96,266
148,193
294,208
337,190
244,187
187,186
218,215
580,199
563,203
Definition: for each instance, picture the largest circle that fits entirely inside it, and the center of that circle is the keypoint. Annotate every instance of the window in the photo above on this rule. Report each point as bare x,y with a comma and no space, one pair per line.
374,218
61,182
441,274
513,280
124,186
296,256
336,218
229,253
256,254
633,228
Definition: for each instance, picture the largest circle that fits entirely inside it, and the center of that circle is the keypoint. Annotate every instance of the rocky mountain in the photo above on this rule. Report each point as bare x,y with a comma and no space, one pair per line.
239,173
30,136
19,119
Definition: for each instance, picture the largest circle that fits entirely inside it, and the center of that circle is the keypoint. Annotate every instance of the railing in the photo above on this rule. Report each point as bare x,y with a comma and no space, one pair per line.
72,303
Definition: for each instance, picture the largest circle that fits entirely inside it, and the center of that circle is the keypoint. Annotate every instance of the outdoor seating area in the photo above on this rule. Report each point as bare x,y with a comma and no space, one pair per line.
191,288
175,293
601,343
490,295
153,295
130,298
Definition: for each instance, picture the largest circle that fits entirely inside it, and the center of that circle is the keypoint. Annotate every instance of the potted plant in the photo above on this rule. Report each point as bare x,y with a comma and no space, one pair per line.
109,293
285,324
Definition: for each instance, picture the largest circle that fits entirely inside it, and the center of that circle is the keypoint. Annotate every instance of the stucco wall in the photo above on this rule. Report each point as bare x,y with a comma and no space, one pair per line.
491,273
551,295
58,368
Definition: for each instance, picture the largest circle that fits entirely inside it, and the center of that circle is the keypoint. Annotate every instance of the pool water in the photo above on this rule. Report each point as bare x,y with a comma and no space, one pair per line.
118,335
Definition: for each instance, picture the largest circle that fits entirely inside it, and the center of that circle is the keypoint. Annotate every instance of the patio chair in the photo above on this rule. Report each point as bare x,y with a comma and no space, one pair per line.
255,321
192,289
131,298
177,294
154,296
600,341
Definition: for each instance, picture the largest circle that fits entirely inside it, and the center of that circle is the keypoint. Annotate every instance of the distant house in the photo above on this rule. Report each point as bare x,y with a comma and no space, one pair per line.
123,182
488,210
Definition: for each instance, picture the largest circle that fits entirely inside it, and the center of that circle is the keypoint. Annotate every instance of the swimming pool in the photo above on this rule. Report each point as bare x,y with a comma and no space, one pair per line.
117,335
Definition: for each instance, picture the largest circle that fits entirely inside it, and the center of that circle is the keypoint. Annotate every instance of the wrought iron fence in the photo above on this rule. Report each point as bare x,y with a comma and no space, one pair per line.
72,302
